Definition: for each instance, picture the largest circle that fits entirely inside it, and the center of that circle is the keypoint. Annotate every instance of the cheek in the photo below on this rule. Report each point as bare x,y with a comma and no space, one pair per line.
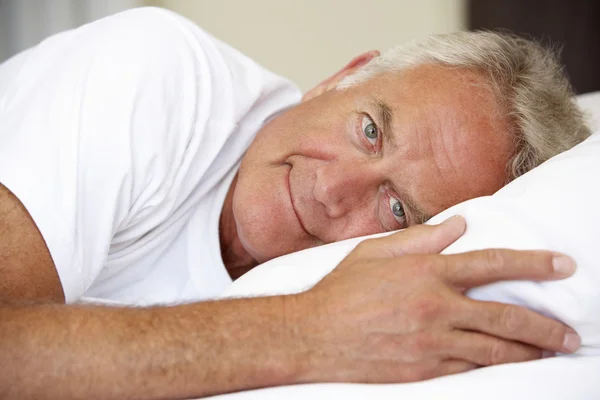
262,214
359,226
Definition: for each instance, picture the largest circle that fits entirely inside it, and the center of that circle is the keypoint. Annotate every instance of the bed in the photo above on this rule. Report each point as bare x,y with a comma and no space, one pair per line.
555,207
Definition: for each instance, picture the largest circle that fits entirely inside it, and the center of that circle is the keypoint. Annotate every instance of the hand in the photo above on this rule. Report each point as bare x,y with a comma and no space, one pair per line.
393,311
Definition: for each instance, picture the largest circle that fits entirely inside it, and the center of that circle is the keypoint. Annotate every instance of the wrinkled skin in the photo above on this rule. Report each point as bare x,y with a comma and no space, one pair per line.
330,169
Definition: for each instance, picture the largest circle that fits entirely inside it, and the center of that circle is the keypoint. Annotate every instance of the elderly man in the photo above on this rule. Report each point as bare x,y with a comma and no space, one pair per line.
145,163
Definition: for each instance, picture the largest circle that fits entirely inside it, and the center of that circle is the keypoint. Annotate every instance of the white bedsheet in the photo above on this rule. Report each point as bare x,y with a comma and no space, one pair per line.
566,377
576,378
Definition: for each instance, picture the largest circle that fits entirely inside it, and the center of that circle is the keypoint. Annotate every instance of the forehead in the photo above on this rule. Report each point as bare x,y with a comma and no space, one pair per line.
452,136
456,96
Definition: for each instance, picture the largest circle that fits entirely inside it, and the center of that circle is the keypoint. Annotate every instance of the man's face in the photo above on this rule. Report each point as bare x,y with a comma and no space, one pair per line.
379,156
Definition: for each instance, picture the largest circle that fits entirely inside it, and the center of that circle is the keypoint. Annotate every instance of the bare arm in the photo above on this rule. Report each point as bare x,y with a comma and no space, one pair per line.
381,316
326,334
26,267
56,351
64,352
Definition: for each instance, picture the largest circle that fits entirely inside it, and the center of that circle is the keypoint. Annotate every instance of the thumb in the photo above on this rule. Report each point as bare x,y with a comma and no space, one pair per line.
420,239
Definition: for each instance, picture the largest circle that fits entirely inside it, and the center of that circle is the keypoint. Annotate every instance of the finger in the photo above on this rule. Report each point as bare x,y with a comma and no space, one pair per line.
476,268
516,323
486,350
440,368
451,367
418,239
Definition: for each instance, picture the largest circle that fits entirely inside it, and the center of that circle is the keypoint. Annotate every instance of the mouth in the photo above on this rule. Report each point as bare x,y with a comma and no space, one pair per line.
289,188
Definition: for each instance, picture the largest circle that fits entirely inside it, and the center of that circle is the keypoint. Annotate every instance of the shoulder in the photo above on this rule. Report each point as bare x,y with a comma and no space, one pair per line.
145,22
143,37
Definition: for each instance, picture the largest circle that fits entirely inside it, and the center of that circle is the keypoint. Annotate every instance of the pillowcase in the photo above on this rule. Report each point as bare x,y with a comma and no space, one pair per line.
555,207
556,378
590,103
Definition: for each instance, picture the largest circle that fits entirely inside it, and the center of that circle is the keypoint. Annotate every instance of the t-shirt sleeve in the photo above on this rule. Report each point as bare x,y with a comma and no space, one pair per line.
94,124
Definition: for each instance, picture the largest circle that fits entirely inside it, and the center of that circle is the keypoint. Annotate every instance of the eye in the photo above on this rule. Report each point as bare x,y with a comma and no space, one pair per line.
397,210
370,130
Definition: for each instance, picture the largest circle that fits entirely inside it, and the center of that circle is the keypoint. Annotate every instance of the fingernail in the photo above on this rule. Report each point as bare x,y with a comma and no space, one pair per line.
572,342
563,265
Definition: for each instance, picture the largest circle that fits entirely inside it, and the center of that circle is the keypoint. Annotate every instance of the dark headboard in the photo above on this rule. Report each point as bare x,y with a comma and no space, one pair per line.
573,25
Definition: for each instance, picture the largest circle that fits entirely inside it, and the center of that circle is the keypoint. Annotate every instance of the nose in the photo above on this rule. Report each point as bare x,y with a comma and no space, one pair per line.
343,186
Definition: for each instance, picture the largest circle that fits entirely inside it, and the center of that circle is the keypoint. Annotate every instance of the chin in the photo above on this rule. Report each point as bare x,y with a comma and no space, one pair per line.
256,230
268,238
266,223
258,246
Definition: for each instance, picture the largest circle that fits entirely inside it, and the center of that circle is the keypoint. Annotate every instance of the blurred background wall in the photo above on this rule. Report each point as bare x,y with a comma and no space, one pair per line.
304,40
307,40
24,23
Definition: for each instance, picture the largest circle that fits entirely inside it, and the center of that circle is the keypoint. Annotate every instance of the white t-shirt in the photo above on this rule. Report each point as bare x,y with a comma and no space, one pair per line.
121,139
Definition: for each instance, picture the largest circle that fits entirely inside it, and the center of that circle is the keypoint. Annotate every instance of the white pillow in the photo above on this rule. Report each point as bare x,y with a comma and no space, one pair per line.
590,102
553,207
557,378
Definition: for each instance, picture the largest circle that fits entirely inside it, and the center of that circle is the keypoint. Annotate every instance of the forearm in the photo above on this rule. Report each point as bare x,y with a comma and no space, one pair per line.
63,352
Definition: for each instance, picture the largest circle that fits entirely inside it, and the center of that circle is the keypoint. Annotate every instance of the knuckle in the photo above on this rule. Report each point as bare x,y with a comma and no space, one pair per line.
511,320
497,353
424,343
495,258
428,309
429,264
416,347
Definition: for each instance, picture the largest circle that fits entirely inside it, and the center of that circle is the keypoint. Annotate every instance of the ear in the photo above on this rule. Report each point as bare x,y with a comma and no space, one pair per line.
333,80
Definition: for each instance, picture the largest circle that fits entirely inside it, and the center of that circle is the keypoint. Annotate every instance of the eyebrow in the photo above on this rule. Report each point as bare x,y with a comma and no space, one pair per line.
386,116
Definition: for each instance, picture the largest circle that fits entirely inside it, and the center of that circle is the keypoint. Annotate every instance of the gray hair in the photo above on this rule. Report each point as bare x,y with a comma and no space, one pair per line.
528,81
